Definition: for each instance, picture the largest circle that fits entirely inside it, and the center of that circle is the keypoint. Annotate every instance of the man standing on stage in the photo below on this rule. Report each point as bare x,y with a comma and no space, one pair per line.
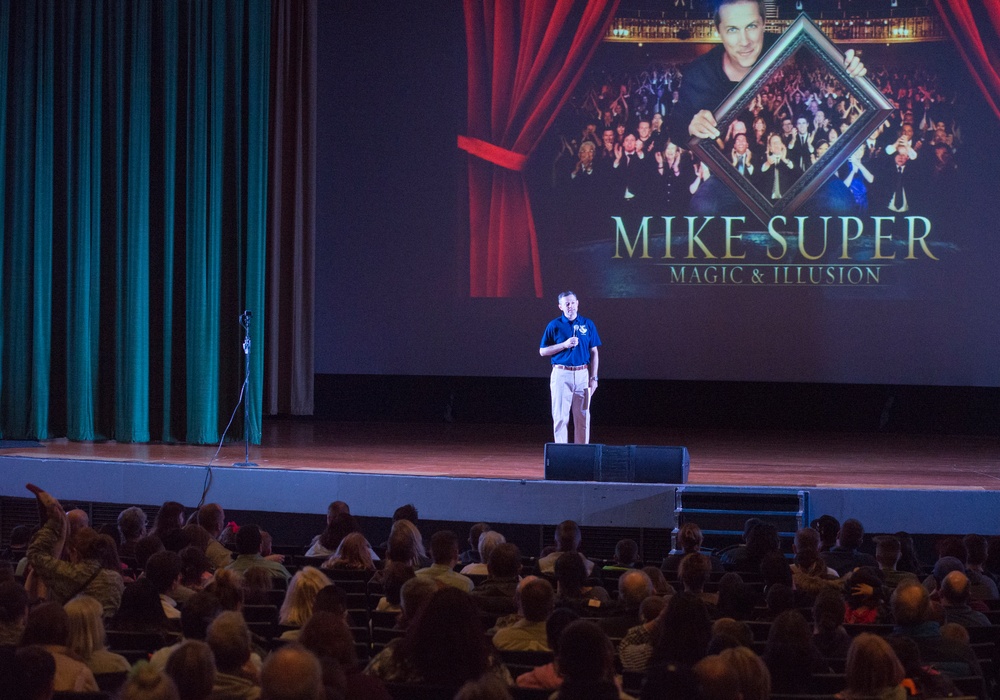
571,341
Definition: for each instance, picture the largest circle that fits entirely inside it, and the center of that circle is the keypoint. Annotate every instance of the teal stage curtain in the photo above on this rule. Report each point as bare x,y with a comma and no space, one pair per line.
134,152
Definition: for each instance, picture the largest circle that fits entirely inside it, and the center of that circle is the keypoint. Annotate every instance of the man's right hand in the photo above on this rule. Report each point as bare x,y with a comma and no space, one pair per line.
572,342
703,126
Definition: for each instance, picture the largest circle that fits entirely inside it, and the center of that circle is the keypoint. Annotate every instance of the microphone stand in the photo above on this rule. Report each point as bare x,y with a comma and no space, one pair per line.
245,323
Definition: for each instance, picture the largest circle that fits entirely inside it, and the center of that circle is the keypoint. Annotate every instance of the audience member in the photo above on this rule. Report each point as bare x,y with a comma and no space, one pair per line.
634,587
495,595
444,645
910,610
444,549
413,597
212,517
955,595
300,597
888,552
131,528
32,674
920,680
353,554
659,581
736,600
571,585
535,602
761,538
567,540
338,526
810,574
86,570
196,616
689,540
636,647
717,680
693,573
145,548
983,585
229,639
791,656
291,673
827,527
865,598
586,662
488,542
626,556
728,633
163,571
484,688
845,556
141,610
13,612
227,587
394,575
192,669
48,627
328,637
87,640
147,683
406,545
685,630
248,543
167,526
471,555
873,671
547,677
829,635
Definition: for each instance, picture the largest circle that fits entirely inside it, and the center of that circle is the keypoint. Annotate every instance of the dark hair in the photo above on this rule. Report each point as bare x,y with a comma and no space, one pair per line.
326,634
141,608
248,540
394,575
198,613
536,598
332,599
47,623
827,526
567,536
167,518
444,546
505,561
192,668
340,526
828,610
407,512
586,660
194,563
13,601
571,573
685,631
445,644
735,599
145,548
162,570
694,570
556,623
34,671
774,568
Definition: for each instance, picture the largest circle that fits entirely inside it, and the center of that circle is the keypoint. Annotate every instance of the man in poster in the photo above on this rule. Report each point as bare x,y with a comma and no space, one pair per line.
571,343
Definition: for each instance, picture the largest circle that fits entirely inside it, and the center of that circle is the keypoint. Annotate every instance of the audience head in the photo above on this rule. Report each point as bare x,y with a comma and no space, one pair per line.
585,657
633,588
504,561
140,608
567,536
194,564
145,548
944,566
955,589
191,667
169,517
559,620
851,534
789,637
737,631
828,610
336,508
291,672
198,613
13,603
488,686
394,575
34,673
444,547
407,512
446,643
227,587
47,624
735,599
955,632
488,542
354,552
827,526
301,596
337,528
690,538
406,544
754,680
872,666
535,598
762,539
196,536
977,550
414,595
328,636
685,630
659,581
717,680
475,532
163,570
694,571
626,552
85,625
651,608
132,523
212,517
331,599
571,574
888,551
229,639
148,683
78,519
248,540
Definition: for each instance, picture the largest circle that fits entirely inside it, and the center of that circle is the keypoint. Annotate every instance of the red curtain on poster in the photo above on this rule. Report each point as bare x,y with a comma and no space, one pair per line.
525,58
975,28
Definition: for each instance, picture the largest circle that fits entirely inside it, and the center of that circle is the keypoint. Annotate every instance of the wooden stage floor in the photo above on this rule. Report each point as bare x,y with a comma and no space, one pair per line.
731,458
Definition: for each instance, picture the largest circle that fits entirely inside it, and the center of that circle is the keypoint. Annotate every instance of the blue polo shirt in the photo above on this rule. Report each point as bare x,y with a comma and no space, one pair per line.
561,329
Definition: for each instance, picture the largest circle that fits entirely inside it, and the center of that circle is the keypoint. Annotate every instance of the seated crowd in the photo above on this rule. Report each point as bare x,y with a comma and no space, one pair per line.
197,608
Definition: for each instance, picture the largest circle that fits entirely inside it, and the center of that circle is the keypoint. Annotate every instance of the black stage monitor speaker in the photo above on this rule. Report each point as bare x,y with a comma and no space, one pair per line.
640,464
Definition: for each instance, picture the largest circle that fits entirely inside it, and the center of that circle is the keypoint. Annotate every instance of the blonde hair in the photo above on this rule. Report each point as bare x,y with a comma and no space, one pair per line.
404,529
148,683
85,622
301,596
353,553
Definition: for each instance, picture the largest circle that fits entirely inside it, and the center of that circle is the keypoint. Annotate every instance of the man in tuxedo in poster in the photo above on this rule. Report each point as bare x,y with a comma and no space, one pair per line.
898,185
630,171
800,147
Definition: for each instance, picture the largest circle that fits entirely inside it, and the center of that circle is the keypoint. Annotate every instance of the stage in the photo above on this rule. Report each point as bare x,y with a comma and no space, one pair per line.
468,472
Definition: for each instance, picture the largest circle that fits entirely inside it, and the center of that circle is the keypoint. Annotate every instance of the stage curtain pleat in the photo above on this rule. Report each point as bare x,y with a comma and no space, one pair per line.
133,184
975,29
292,195
524,60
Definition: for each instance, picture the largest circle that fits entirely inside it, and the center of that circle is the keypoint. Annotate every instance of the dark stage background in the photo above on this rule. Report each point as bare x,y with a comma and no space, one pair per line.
398,336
